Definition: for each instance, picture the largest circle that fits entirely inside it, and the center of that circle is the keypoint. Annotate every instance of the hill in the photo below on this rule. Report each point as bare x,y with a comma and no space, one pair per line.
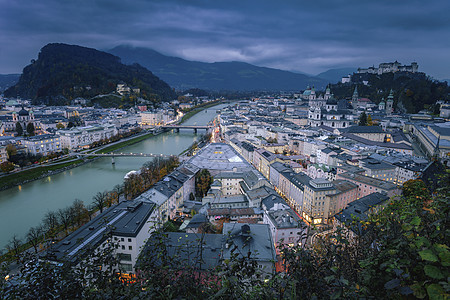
412,91
7,80
335,75
63,72
219,76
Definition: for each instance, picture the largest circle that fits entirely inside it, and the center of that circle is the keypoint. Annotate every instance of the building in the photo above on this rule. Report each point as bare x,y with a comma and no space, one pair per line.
408,170
359,210
286,227
390,103
329,115
346,192
445,111
372,133
434,139
254,240
154,118
390,68
3,154
368,185
42,144
262,160
183,249
81,137
316,208
23,117
378,169
128,224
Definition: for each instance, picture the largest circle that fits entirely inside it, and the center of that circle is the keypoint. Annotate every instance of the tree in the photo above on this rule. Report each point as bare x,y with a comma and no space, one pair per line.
60,126
19,129
14,247
203,181
363,119
6,166
117,190
11,150
79,211
65,217
34,234
70,124
30,129
369,121
51,222
99,200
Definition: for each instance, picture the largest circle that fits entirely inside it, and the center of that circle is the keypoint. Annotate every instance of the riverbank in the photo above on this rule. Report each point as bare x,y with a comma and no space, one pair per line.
198,109
22,177
26,176
119,145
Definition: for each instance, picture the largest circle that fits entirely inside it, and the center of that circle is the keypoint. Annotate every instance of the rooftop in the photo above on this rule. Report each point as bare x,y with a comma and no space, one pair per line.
254,239
219,157
369,181
124,219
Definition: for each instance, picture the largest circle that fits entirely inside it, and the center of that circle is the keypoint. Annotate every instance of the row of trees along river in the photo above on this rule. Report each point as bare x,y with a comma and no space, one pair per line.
25,206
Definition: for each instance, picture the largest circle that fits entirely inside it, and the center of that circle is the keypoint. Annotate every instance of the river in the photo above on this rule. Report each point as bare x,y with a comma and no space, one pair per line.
24,206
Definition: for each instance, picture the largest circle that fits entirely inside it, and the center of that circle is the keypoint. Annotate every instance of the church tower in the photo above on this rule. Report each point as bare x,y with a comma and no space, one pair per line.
390,103
327,93
355,98
382,105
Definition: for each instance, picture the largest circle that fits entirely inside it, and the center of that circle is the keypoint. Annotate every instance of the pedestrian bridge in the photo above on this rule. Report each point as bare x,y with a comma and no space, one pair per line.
113,155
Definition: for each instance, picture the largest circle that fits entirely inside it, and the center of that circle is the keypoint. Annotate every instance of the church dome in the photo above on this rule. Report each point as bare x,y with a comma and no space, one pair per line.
23,112
331,101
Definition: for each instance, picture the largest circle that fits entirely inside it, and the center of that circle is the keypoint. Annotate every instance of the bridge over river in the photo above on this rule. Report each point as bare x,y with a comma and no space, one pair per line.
177,127
112,155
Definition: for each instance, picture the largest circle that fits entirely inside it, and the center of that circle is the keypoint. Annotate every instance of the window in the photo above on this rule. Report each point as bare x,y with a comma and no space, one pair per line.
123,247
126,267
122,239
124,256
129,240
130,248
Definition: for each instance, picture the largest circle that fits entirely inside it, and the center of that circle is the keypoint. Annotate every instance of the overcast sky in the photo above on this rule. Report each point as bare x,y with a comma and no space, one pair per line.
306,36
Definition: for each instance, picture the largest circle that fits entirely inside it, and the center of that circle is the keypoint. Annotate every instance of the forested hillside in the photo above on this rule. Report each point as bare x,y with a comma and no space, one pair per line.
63,72
412,92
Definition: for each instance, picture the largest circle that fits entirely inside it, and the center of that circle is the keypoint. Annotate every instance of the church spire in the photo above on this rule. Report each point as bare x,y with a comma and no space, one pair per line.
355,94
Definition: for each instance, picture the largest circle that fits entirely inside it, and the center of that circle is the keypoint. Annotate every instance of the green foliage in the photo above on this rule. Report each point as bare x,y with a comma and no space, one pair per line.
411,91
11,150
19,129
272,140
203,181
363,119
30,129
6,166
64,72
150,173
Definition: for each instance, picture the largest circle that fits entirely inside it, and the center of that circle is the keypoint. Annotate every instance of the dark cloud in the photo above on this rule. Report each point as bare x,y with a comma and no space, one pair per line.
306,36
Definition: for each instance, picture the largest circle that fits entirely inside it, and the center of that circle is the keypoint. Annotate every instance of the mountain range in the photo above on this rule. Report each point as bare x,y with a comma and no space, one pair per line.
219,76
7,80
335,75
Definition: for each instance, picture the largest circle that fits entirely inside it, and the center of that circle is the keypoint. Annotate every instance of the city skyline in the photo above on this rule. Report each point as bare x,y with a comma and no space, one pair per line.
306,37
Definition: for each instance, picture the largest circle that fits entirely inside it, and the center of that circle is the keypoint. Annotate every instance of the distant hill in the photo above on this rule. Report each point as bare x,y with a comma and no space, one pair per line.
412,91
219,76
63,72
7,80
335,75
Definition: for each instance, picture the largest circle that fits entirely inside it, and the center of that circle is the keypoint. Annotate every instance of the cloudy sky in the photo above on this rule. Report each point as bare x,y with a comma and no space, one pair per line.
305,36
